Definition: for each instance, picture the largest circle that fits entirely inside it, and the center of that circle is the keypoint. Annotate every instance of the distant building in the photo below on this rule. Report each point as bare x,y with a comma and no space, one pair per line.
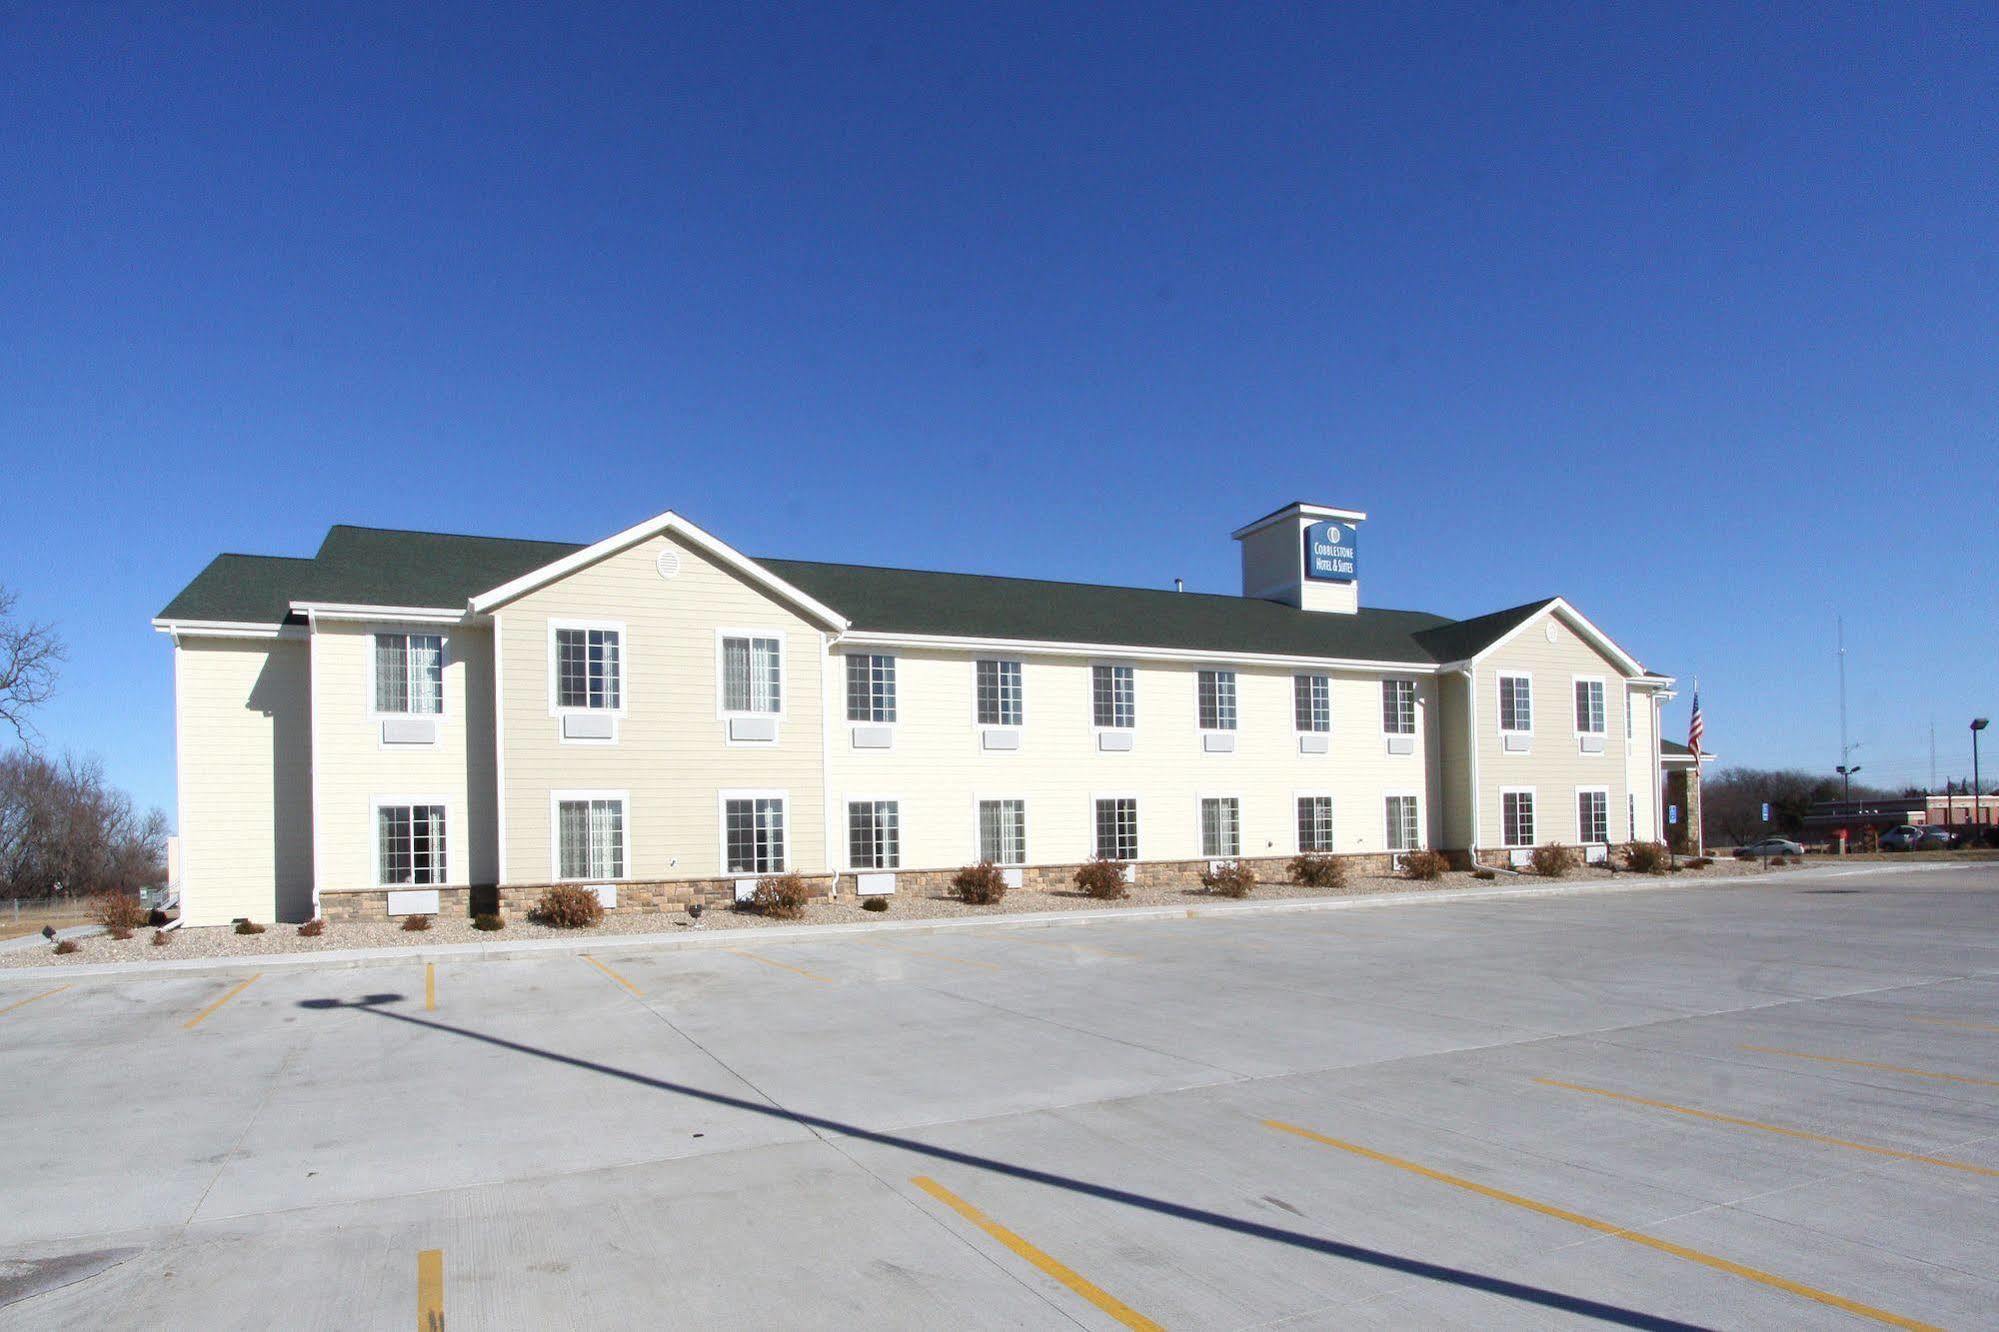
1944,811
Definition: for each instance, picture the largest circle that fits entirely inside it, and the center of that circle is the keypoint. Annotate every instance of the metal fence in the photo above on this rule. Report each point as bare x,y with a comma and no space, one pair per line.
14,910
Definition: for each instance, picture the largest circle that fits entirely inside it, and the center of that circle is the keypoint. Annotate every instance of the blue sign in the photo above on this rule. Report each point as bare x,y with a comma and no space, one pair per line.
1766,811
1329,551
1672,813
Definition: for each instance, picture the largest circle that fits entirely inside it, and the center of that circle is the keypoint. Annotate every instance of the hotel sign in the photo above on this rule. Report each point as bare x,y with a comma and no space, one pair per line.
1329,551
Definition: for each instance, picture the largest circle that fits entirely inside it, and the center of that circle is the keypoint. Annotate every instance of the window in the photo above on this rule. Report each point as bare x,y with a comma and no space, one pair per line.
1112,697
1315,823
999,693
409,673
1516,817
1593,817
1314,697
1398,707
588,673
590,838
874,840
1631,814
1216,696
1516,703
1589,707
870,689
1404,834
409,841
1003,831
1628,710
1117,828
753,833
1221,826
752,674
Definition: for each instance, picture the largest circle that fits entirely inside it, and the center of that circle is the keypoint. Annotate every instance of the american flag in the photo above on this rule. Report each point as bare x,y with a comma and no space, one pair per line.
1696,728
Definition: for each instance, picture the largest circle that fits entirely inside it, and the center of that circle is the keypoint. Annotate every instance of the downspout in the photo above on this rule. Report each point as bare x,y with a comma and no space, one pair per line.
1471,750
827,694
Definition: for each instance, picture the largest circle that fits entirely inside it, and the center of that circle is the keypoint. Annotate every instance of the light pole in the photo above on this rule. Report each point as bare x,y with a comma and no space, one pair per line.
1977,807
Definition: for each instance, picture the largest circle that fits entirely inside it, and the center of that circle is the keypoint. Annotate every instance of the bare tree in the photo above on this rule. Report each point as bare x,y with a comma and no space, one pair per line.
29,654
63,828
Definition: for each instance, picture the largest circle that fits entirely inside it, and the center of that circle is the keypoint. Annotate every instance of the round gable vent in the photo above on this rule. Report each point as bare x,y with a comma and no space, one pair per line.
668,563
1554,634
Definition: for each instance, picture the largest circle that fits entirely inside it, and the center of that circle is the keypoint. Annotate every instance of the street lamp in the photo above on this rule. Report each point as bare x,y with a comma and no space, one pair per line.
1846,777
1977,808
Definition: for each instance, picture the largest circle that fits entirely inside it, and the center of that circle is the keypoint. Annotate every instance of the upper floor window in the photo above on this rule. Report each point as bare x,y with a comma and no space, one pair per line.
1315,824
1516,817
1117,828
588,670
1313,695
753,834
1398,707
1113,700
1221,826
409,673
409,844
1216,696
1404,831
1003,831
1589,707
1629,708
999,693
874,834
1516,703
870,689
752,674
590,838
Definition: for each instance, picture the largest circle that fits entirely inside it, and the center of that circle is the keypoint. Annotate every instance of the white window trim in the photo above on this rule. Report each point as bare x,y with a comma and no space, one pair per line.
1204,796
1529,792
1021,725
1235,700
846,817
1603,684
376,715
722,799
1422,822
1334,810
1090,701
1137,819
555,799
617,714
375,806
1582,791
847,719
1499,699
784,689
1415,707
1026,826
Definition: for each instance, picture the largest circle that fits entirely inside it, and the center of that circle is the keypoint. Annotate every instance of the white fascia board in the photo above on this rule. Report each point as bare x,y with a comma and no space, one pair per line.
1123,652
325,610
1314,511
227,629
713,547
1603,642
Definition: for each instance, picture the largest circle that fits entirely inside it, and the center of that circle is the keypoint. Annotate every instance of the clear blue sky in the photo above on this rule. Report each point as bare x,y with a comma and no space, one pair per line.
1686,313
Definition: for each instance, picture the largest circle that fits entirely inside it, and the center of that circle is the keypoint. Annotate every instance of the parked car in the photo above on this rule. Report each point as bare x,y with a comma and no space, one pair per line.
1902,837
1769,846
1935,839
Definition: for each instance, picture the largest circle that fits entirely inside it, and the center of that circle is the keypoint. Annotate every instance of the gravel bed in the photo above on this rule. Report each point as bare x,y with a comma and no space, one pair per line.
224,942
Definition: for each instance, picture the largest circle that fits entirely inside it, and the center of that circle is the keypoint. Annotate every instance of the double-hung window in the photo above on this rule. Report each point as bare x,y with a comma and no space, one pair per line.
409,844
1003,831
1516,817
753,674
1221,827
1113,701
999,693
1117,828
870,688
1404,832
589,670
1516,704
1216,699
1315,824
1628,710
1593,817
1398,707
753,834
1313,696
590,838
409,674
1589,707
874,834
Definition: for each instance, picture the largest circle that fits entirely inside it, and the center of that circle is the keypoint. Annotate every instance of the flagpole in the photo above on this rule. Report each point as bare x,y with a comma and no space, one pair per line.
1695,813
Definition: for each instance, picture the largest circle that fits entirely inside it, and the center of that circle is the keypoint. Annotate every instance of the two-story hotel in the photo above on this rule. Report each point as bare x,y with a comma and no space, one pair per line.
409,721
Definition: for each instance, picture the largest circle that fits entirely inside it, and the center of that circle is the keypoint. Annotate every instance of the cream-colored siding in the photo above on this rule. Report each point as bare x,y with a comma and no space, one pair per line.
938,771
1642,767
1554,767
355,769
242,726
1454,782
670,755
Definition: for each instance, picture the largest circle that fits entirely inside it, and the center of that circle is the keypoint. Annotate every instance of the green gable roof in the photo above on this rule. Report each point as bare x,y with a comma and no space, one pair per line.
382,567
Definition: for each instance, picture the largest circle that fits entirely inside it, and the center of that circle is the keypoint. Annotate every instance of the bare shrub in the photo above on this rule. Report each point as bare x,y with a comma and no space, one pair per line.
982,884
1645,857
1102,879
1554,861
1317,870
1425,865
488,921
118,932
64,946
1231,878
161,938
416,924
118,911
874,904
248,926
568,906
312,929
781,897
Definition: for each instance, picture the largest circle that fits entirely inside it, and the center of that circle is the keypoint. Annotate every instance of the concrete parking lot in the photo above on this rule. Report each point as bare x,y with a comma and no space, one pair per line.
1753,1105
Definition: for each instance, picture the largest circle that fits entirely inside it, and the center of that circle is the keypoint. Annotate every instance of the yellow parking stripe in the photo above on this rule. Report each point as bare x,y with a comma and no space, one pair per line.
783,966
1615,1232
23,1003
941,957
1885,1068
1074,1280
637,993
430,1291
430,987
1952,1022
198,1018
1775,1128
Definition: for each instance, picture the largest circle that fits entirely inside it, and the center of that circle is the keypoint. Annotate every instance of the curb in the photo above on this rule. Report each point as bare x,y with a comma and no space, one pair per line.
362,957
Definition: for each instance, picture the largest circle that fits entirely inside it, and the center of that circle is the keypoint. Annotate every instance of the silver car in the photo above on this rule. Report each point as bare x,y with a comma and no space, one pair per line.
1769,846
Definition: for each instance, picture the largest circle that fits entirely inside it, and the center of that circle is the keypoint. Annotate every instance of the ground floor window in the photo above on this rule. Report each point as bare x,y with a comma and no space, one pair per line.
1117,828
1404,833
874,834
1221,826
753,830
1593,817
590,838
409,843
1003,831
1315,824
1516,817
